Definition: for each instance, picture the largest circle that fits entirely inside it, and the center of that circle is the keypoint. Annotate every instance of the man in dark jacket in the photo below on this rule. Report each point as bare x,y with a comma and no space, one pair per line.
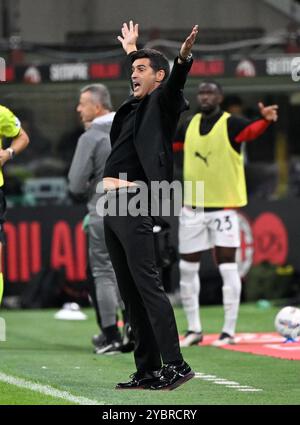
141,138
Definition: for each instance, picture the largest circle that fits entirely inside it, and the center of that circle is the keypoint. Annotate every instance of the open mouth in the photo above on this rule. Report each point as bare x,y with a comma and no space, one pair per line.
135,86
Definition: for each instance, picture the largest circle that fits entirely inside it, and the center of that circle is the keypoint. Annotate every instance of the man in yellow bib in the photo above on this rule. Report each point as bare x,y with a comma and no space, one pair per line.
212,154
10,127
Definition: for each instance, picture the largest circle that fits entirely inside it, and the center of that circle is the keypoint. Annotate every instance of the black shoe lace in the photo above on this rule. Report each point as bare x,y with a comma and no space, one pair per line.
134,376
168,371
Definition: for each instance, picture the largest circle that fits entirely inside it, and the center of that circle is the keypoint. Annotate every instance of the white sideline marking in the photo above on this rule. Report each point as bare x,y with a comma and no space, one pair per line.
232,383
46,390
224,382
229,384
203,375
238,387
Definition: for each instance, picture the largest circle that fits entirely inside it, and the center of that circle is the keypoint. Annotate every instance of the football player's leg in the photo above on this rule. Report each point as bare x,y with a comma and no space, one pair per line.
192,241
227,240
190,289
231,287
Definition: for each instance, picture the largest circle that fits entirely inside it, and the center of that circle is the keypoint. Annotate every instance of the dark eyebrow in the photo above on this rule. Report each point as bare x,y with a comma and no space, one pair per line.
138,66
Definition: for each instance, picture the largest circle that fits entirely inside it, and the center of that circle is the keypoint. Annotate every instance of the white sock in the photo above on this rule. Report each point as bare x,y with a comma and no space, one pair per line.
189,291
231,295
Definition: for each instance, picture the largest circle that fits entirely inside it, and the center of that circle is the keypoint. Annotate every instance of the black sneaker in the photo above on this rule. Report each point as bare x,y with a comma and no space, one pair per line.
128,339
98,340
191,338
113,347
140,381
224,339
172,376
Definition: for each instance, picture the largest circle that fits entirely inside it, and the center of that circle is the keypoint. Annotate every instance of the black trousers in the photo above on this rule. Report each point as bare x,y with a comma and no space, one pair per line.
130,244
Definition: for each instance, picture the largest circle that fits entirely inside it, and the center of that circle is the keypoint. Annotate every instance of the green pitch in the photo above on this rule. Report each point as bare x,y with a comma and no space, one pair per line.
58,354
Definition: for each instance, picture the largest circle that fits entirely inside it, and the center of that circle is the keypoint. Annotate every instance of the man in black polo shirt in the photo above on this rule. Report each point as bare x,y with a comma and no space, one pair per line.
141,138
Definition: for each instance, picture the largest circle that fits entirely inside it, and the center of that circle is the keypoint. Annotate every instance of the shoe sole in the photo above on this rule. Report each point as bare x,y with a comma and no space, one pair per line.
142,387
132,389
177,384
128,348
108,353
190,345
222,344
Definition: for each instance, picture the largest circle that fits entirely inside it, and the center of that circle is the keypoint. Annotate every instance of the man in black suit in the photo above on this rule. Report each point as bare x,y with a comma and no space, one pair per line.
141,138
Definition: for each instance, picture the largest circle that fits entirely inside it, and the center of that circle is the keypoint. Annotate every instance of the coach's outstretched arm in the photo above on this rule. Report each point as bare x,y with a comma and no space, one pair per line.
182,65
130,35
187,45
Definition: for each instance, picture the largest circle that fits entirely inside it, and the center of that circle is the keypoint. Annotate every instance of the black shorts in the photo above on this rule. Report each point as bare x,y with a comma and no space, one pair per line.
2,215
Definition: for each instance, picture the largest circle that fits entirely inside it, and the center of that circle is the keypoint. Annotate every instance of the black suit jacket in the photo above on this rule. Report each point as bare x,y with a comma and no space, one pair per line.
155,124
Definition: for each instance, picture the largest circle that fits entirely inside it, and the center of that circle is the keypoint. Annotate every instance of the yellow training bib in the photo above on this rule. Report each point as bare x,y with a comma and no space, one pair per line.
212,159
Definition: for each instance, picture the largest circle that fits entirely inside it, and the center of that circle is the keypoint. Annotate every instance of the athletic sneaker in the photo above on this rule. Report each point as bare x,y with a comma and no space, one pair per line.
128,339
224,339
98,340
191,338
113,347
172,376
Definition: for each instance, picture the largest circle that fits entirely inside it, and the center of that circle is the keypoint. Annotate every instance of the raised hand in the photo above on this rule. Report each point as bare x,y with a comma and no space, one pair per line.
130,35
268,112
186,47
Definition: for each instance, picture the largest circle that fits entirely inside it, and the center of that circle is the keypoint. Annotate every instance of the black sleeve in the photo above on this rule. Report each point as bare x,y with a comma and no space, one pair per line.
172,90
178,76
181,130
236,125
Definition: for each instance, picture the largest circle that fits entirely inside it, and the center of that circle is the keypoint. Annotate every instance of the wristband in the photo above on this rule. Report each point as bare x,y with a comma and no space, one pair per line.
187,59
11,152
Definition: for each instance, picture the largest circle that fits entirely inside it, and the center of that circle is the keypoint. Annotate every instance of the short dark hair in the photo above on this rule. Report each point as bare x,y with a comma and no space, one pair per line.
215,83
158,61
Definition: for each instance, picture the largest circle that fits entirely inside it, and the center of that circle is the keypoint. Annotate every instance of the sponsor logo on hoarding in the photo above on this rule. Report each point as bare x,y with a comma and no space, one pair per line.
105,70
206,68
32,75
271,239
266,239
245,68
281,65
295,69
69,72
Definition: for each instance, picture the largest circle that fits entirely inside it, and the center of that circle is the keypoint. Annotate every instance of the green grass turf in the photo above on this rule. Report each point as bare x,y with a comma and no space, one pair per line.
12,395
36,340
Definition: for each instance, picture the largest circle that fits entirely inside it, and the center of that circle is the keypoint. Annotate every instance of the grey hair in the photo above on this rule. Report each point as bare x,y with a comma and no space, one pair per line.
100,94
